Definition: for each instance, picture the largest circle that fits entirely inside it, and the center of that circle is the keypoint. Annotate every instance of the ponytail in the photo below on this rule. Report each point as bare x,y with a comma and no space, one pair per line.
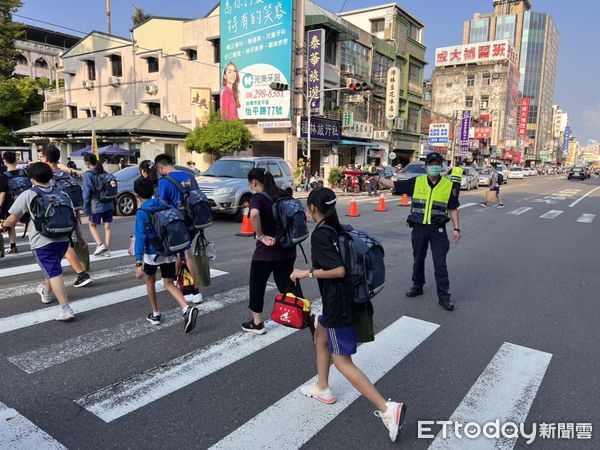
266,179
91,159
324,200
149,167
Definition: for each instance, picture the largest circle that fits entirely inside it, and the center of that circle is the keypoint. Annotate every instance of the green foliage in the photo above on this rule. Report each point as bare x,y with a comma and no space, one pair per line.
17,98
9,32
139,15
219,137
298,172
335,176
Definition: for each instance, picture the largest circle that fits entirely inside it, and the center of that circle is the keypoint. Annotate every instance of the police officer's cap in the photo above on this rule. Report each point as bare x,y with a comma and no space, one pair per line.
434,157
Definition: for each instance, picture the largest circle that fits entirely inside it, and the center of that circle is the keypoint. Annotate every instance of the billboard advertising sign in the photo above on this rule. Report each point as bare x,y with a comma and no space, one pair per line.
315,42
482,133
523,116
323,129
392,94
565,146
256,50
465,126
439,133
491,51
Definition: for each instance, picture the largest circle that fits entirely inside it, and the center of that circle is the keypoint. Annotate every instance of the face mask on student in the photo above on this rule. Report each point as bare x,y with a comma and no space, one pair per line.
434,170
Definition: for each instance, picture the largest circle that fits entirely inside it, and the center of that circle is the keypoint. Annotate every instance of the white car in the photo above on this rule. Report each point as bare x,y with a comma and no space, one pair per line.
516,172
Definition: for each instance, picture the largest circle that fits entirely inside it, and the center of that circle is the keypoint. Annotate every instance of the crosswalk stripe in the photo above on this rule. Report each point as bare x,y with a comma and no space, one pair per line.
504,391
31,288
30,318
30,268
466,205
519,211
61,352
586,218
121,398
19,433
278,426
552,214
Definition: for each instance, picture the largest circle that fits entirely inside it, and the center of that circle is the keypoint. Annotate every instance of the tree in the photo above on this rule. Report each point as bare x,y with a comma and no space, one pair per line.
139,15
18,97
9,33
219,137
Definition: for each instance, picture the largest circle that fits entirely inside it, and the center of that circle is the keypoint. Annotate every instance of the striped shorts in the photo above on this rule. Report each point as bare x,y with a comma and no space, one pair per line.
341,340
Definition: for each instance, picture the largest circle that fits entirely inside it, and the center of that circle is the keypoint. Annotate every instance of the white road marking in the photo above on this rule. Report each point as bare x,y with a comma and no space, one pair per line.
552,214
61,352
586,218
48,314
121,398
519,211
31,288
19,433
583,196
466,205
30,268
294,419
504,391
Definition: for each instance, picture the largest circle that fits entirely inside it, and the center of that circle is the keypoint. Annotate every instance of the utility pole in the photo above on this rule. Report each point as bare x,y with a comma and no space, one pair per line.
108,16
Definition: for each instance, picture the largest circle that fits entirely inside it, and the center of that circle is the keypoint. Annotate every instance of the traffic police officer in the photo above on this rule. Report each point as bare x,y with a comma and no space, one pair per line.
456,174
434,204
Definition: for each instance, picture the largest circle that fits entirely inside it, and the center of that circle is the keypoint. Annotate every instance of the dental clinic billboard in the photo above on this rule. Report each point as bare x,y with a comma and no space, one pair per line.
256,50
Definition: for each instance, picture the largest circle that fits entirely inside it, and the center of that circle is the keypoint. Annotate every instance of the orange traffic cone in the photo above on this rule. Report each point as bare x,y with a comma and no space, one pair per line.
246,229
404,200
381,206
353,212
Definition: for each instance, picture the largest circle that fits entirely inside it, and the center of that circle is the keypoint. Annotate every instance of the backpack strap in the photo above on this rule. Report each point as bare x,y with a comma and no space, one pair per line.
176,183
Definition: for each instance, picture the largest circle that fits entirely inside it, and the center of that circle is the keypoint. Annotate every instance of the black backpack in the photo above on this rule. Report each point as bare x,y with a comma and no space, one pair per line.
66,183
363,256
500,178
19,183
290,220
105,187
53,215
194,204
169,228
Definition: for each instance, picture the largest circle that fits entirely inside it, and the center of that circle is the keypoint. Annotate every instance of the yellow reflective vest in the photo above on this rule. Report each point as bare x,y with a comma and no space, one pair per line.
430,205
456,174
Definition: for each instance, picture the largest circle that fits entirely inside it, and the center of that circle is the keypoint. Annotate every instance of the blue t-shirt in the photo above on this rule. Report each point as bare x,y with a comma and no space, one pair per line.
169,193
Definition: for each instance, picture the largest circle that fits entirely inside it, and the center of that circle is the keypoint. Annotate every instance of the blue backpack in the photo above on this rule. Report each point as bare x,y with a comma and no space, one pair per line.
290,220
52,213
169,230
363,256
66,183
105,187
17,184
195,205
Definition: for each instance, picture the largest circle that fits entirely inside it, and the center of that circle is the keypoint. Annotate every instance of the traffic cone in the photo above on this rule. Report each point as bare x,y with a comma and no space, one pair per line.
246,229
353,212
381,206
405,201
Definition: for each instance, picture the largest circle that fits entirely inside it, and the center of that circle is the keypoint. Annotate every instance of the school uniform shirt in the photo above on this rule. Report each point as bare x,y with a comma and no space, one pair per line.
91,204
262,252
169,193
144,250
408,187
336,294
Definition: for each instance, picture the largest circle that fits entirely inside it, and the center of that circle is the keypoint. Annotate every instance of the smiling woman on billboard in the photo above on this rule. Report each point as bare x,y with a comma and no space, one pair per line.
230,95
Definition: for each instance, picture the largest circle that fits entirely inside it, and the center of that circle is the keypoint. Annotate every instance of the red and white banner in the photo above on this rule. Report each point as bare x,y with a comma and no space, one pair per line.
523,116
491,51
482,132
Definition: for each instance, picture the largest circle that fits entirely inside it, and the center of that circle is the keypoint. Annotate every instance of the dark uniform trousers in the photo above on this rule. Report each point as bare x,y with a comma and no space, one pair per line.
436,236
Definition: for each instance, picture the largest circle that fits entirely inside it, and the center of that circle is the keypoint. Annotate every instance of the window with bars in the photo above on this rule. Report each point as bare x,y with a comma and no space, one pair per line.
381,65
486,79
469,101
152,65
377,25
470,80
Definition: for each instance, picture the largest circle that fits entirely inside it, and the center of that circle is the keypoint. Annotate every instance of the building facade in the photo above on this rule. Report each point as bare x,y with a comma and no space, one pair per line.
535,37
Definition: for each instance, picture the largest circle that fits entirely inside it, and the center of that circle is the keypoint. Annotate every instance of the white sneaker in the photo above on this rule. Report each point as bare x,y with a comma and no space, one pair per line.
99,249
194,298
106,253
393,418
66,314
313,391
46,298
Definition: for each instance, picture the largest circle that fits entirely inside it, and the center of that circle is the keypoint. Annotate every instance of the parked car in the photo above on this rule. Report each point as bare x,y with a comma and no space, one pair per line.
516,172
485,176
576,172
470,179
503,169
225,183
126,203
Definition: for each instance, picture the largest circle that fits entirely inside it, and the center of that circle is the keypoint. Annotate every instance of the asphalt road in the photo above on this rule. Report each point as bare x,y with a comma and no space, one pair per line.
521,345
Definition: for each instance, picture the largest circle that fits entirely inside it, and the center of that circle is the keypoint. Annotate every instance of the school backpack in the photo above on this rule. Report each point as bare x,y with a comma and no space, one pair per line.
19,183
290,220
105,187
52,213
66,183
195,205
500,178
169,230
362,255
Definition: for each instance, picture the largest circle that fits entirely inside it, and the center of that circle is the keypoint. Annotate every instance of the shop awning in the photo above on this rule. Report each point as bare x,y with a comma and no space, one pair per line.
351,142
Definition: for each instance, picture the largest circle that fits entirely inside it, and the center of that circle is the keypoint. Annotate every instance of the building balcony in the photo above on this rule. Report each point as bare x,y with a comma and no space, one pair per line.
54,95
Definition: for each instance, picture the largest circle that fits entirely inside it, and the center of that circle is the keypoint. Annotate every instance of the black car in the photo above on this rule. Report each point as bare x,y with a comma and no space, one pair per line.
577,172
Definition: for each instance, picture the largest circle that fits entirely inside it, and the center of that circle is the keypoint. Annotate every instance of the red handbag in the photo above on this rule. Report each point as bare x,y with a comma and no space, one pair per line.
291,311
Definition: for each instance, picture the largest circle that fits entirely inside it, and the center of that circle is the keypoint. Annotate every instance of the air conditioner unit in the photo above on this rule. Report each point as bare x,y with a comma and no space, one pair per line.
484,105
170,117
348,69
151,89
88,84
114,81
495,76
137,112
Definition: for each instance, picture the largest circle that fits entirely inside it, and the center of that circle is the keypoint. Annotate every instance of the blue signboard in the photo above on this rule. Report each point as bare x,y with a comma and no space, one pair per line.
565,147
323,129
439,133
256,50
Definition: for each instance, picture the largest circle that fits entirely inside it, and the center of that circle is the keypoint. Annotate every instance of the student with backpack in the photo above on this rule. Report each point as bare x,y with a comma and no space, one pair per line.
63,181
148,170
99,192
335,336
54,221
13,182
160,233
269,256
497,180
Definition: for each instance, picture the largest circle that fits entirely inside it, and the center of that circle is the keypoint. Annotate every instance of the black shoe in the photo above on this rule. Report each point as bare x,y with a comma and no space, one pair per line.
251,327
190,316
447,304
414,292
83,279
154,320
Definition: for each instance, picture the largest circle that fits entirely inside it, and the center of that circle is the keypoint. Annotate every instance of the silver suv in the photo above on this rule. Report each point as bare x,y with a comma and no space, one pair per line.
225,183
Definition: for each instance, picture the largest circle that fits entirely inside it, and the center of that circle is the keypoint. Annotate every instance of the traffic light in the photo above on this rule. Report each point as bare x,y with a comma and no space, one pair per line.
360,87
279,86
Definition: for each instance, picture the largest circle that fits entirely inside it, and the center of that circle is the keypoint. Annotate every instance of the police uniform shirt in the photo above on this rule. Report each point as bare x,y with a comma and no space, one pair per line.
408,187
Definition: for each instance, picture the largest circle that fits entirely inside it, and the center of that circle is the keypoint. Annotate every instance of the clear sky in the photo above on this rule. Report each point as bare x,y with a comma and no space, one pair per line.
577,21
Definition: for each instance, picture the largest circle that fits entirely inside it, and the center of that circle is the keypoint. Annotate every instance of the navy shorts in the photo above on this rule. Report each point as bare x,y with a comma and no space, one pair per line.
49,258
106,217
341,341
496,189
167,270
